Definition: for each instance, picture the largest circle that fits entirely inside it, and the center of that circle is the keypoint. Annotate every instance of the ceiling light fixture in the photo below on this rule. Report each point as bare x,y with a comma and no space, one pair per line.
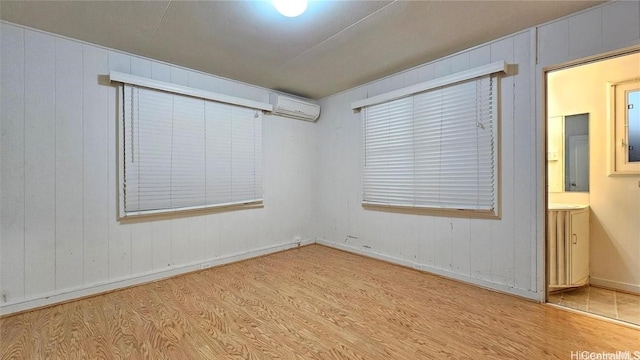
290,8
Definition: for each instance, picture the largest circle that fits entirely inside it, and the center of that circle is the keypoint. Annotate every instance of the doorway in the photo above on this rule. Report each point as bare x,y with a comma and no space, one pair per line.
593,187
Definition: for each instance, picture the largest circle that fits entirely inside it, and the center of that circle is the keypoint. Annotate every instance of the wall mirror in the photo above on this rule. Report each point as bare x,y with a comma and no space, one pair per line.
568,153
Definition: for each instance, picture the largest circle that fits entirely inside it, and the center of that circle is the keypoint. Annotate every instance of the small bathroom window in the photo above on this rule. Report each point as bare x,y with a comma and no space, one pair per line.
633,123
625,113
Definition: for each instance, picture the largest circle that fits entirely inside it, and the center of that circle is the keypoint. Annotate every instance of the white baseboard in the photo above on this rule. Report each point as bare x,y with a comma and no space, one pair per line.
531,295
615,285
68,294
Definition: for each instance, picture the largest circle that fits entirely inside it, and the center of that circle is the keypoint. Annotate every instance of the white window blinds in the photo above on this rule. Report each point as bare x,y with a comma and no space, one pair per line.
182,152
436,149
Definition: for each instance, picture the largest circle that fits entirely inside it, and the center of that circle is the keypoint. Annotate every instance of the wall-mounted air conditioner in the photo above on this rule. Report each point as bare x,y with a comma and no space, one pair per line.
294,108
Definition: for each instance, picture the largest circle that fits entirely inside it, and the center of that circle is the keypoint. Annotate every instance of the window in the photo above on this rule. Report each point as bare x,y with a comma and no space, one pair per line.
434,150
625,107
182,153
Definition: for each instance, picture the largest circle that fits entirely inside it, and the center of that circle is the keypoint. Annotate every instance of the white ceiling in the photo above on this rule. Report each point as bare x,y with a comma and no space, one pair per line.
334,46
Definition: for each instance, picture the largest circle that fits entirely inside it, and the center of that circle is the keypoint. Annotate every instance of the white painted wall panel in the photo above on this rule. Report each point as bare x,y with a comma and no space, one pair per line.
480,251
425,73
12,131
612,26
141,244
197,239
39,163
426,241
212,84
311,181
161,246
442,68
443,239
212,235
461,246
331,202
410,77
180,247
58,154
480,56
179,76
120,245
197,80
460,62
96,188
119,62
357,222
141,67
69,163
379,87
234,88
160,71
620,24
524,164
553,42
585,33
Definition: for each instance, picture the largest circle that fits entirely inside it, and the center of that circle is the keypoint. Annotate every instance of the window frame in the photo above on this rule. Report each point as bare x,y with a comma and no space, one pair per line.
125,79
618,159
494,213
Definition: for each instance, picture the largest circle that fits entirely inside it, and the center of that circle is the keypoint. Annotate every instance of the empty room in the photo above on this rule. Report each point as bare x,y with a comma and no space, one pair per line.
306,179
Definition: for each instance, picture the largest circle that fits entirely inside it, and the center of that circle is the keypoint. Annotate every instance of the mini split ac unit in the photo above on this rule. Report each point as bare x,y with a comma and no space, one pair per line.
294,108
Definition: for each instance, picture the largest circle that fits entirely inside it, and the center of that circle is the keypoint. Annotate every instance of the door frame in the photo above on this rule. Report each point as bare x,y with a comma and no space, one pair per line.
541,74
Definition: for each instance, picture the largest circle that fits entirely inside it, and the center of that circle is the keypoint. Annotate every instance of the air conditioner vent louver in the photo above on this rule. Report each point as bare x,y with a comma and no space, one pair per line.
294,108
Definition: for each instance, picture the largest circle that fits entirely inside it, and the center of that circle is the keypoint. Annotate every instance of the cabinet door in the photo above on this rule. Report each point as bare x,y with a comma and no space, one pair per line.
579,247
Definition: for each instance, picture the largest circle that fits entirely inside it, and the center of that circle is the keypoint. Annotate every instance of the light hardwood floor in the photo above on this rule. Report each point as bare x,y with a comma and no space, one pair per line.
308,303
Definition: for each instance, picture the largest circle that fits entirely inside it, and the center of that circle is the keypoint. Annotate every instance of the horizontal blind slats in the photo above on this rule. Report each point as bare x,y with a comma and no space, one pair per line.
433,149
185,152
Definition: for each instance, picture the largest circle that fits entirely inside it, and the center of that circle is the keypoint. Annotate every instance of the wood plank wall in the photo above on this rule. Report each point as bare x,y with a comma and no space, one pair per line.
504,254
489,252
59,235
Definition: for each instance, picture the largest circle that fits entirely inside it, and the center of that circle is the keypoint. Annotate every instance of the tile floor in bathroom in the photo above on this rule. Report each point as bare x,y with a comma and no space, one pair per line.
604,302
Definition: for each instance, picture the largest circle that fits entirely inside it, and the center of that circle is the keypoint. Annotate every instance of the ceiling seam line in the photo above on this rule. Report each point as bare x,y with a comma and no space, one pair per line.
155,32
334,35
